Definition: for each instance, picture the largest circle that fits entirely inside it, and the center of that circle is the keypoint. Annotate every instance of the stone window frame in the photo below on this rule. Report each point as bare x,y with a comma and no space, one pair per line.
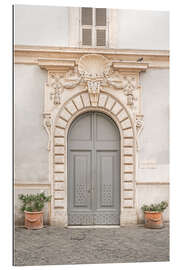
94,28
74,14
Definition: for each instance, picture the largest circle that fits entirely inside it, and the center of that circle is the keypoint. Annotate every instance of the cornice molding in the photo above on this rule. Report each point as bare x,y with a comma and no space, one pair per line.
52,64
37,55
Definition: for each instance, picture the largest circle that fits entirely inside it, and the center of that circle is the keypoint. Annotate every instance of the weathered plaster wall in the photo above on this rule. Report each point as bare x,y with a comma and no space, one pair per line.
131,29
30,138
153,160
137,29
41,25
154,141
31,155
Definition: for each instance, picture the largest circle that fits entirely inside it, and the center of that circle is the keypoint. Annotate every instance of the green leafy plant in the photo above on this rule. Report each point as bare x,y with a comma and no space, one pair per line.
34,202
160,207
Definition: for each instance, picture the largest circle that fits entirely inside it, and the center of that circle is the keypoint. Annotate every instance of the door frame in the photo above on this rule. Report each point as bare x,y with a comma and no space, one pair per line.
113,125
79,106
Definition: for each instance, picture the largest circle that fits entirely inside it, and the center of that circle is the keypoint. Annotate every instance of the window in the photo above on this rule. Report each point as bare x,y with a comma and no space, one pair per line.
94,27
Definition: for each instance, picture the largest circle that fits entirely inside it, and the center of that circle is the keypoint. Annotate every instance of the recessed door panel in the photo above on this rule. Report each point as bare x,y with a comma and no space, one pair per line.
81,179
93,170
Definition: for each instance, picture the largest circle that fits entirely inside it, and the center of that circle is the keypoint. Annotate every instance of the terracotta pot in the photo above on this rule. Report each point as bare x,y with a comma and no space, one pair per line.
153,219
33,220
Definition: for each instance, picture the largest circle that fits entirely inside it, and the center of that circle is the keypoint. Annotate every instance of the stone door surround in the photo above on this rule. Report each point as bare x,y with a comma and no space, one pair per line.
92,83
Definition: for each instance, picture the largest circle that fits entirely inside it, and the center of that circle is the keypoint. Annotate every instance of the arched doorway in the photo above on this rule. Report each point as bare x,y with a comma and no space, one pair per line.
93,171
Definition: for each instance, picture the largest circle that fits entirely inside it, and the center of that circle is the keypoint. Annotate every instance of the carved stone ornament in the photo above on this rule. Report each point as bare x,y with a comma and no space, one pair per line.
139,127
93,69
125,83
57,88
58,82
47,123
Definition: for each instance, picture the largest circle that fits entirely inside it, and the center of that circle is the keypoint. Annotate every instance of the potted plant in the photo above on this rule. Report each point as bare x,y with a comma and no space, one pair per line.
153,214
32,208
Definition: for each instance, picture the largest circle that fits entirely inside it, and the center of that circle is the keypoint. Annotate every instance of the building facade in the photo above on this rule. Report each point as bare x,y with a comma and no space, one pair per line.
91,112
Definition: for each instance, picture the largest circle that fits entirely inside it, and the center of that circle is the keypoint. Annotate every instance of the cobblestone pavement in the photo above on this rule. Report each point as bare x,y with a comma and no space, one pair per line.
52,245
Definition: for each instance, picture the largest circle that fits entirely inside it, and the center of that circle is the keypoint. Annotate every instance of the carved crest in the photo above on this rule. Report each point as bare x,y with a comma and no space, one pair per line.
93,69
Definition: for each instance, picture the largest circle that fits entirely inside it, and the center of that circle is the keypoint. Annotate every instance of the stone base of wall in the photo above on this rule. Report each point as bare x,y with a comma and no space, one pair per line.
128,217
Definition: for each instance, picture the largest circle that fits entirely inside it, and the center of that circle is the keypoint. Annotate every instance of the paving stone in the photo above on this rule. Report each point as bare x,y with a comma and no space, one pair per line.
53,245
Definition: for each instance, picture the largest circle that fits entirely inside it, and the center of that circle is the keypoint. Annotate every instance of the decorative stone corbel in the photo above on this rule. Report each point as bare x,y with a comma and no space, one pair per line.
47,123
94,88
139,127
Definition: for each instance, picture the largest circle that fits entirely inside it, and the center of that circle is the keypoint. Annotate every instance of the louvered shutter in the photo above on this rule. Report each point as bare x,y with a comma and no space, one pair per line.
100,37
100,17
94,31
87,16
87,37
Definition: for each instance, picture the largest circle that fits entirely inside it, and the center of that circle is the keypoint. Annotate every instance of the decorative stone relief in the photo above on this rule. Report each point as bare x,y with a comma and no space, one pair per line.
139,128
94,90
59,81
57,88
126,83
47,123
93,69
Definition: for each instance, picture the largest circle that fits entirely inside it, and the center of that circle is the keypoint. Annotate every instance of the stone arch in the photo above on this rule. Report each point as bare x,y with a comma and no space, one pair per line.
75,106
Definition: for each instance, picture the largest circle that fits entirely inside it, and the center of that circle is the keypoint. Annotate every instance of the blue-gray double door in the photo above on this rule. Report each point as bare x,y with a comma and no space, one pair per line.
93,171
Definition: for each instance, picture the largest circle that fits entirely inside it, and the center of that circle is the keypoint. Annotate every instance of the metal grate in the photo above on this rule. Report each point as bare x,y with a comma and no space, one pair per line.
100,37
87,37
100,17
87,16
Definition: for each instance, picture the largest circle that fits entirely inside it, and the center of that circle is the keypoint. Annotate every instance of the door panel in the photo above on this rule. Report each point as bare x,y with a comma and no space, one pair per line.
105,179
106,130
93,170
81,129
107,187
81,179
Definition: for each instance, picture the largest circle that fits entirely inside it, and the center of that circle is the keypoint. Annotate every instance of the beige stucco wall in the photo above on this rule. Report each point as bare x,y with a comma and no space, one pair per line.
31,155
41,25
138,29
131,29
153,159
30,139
